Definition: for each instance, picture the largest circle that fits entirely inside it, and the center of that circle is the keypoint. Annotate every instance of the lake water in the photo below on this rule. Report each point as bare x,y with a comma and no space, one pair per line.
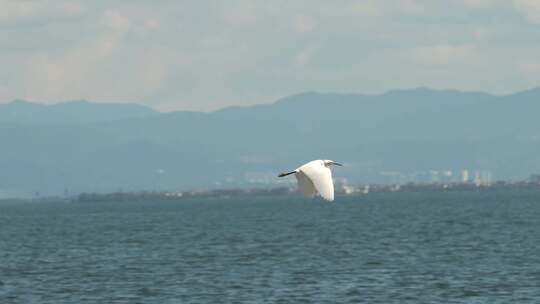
470,247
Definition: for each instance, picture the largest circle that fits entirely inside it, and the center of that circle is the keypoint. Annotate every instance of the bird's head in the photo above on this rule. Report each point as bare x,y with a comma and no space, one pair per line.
328,163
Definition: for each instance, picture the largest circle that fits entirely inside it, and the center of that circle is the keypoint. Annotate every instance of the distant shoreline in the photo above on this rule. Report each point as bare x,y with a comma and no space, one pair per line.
341,190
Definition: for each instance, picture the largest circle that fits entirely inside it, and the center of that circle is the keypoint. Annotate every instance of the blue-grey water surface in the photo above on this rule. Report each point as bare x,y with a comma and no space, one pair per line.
468,247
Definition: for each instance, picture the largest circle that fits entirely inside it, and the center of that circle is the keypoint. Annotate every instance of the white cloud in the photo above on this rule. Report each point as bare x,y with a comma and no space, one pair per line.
530,67
529,8
115,21
6,94
380,9
370,8
481,33
17,12
478,3
303,24
107,66
202,55
115,26
438,55
84,72
241,12
411,6
304,56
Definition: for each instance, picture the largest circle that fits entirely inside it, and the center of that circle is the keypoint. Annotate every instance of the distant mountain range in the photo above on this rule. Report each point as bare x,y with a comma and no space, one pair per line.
83,146
72,112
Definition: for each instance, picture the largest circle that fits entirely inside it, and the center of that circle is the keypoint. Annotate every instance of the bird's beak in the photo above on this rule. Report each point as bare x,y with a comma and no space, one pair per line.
337,164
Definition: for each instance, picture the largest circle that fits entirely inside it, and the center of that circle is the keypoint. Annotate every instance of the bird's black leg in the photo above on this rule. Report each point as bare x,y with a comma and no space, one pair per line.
285,174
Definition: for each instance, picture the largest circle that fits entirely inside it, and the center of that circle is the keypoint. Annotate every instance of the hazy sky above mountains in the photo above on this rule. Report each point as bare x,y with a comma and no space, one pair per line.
203,55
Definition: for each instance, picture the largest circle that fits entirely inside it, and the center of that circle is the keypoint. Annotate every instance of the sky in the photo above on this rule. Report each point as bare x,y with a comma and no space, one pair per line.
206,55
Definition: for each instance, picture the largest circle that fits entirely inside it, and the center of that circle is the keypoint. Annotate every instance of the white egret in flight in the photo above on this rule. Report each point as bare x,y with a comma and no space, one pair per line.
314,178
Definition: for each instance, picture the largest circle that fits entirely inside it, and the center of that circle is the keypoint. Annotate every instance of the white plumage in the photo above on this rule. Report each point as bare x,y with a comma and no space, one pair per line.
315,178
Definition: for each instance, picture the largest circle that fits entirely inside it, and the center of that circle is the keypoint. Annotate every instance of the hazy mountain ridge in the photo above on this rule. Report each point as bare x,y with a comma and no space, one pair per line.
405,130
71,112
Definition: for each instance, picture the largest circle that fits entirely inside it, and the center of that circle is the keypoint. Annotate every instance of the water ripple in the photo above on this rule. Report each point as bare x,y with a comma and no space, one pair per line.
387,248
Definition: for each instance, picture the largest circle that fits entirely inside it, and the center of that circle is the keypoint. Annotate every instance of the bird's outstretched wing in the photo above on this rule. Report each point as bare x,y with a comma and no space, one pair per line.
305,184
321,178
